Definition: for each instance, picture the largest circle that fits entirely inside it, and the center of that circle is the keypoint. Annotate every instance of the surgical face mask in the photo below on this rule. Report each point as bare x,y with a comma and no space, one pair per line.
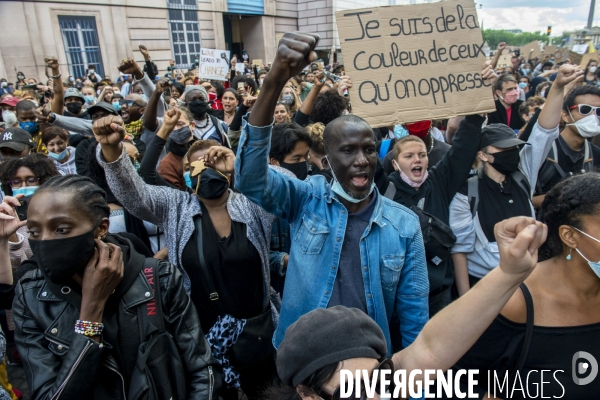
400,131
4,84
21,77
595,266
339,190
71,79
9,117
543,93
116,91
522,85
526,71
511,97
98,92
117,105
32,127
288,99
25,190
260,81
587,127
89,99
59,156
188,180
593,69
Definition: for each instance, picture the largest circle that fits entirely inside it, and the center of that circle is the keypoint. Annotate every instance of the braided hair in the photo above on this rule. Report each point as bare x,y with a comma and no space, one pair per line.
565,204
87,196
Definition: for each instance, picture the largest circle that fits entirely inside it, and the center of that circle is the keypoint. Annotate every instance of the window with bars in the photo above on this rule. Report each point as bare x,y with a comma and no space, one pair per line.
82,47
185,31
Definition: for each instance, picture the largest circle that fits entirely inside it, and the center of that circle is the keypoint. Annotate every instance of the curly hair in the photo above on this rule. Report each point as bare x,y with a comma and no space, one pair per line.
565,204
200,145
328,106
40,165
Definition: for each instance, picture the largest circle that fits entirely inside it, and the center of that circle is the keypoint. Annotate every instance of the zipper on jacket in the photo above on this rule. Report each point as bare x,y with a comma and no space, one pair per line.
211,381
75,365
121,376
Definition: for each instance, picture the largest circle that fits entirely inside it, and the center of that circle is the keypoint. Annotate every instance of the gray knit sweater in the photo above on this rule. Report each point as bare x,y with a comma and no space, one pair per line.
175,210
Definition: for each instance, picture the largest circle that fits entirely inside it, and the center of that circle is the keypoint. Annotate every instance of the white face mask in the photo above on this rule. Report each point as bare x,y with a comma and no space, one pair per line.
593,69
595,266
9,117
587,127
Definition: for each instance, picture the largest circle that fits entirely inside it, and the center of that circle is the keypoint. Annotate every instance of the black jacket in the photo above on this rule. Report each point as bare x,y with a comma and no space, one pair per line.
499,116
438,190
64,365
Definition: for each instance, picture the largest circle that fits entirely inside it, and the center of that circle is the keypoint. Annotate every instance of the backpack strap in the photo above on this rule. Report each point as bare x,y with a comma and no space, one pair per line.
521,180
588,158
212,289
391,191
528,327
384,148
473,193
150,312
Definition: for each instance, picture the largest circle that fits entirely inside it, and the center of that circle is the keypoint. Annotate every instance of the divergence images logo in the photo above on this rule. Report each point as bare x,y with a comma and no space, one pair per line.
580,367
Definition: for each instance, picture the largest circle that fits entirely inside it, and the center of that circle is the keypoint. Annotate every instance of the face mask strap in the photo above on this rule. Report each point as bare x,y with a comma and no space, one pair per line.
588,235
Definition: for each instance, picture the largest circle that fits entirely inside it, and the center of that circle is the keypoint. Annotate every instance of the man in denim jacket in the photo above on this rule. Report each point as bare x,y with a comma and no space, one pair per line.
350,245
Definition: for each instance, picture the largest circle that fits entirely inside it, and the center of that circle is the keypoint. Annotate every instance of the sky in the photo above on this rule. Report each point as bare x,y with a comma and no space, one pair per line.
536,15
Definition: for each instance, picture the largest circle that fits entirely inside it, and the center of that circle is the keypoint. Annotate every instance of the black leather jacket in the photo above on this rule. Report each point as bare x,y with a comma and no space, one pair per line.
61,364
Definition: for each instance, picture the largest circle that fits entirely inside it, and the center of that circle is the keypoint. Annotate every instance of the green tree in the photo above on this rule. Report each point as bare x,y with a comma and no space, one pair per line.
494,37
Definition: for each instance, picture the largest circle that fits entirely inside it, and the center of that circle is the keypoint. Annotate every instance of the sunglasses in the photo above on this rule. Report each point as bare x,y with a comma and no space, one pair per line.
129,103
585,109
385,365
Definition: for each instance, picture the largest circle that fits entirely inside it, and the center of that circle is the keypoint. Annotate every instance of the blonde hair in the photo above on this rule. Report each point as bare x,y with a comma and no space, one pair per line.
316,134
410,138
295,106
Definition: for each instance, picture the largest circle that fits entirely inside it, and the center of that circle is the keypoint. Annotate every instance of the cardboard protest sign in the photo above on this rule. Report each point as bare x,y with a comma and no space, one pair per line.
587,58
214,64
561,54
549,50
258,62
414,62
535,46
580,48
504,61
575,58
240,67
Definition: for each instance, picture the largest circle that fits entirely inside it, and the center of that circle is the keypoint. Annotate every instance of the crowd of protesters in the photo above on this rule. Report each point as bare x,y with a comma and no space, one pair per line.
166,236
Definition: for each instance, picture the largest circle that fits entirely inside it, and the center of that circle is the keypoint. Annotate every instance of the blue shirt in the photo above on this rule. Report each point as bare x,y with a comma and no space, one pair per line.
392,256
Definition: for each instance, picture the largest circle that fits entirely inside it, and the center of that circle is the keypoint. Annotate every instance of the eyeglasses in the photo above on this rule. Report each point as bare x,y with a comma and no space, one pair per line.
17,183
585,109
129,103
386,365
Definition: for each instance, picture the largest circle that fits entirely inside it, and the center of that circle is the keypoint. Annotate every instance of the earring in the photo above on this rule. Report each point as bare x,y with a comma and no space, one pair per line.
569,258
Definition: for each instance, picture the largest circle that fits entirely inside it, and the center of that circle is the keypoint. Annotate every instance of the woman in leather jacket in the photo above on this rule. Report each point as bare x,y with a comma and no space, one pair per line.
76,318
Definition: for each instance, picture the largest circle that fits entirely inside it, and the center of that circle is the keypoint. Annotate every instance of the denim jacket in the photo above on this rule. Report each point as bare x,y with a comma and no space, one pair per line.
391,248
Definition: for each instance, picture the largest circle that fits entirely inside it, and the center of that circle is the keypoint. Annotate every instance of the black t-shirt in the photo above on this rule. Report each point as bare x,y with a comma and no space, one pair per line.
236,269
569,160
552,349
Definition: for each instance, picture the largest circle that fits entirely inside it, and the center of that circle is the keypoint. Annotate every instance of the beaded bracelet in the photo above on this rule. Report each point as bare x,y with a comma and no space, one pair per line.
87,328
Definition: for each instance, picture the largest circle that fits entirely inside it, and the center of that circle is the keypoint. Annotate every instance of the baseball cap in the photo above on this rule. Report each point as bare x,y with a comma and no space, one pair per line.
102,106
499,135
72,92
10,101
16,139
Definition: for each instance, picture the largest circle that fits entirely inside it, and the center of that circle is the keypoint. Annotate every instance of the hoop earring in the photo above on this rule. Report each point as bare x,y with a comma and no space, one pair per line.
569,257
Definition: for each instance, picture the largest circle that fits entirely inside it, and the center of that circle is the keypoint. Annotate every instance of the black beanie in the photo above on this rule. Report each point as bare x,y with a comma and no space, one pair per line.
327,336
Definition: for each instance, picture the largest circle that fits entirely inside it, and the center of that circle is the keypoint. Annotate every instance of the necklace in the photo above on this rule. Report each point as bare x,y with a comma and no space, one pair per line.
205,125
432,142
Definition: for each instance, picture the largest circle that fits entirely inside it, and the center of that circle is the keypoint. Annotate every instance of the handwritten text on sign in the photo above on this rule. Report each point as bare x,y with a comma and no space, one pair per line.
415,62
214,64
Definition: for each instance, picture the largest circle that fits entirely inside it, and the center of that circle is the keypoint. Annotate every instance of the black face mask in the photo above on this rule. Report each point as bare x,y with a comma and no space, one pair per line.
299,169
177,149
507,162
181,136
212,184
74,107
60,259
198,108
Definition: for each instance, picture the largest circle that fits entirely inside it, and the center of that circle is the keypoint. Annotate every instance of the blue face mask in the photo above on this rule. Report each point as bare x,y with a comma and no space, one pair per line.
60,155
26,190
522,85
400,131
32,127
89,99
595,266
339,190
188,180
117,106
526,71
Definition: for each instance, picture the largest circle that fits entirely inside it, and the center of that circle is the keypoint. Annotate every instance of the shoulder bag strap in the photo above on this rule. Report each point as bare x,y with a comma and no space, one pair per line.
213,295
528,327
473,193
